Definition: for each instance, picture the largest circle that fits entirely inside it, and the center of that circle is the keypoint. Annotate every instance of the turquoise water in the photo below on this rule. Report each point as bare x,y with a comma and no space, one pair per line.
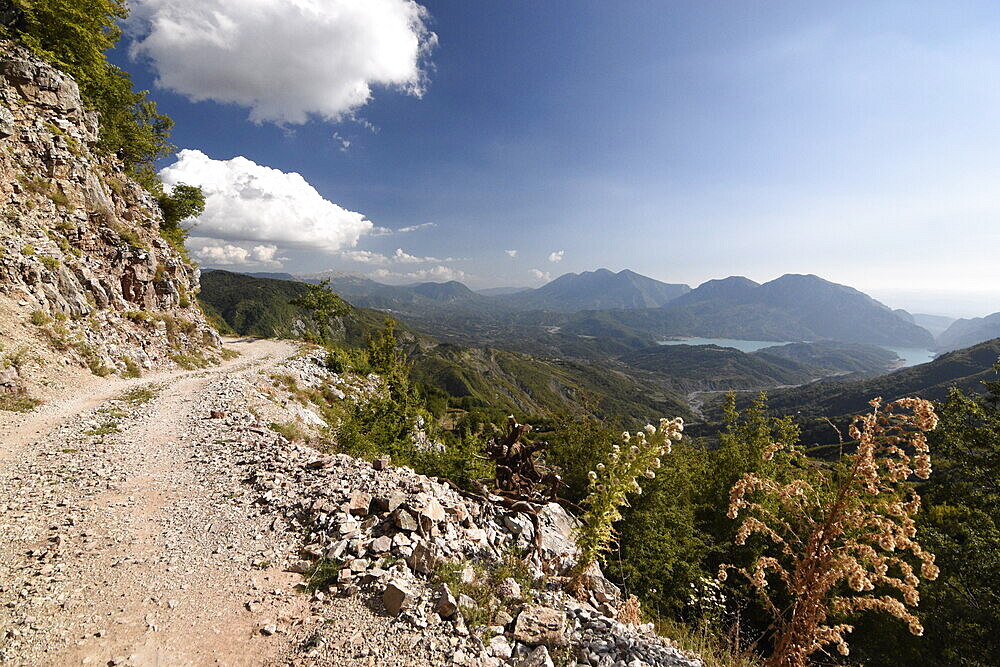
911,356
741,345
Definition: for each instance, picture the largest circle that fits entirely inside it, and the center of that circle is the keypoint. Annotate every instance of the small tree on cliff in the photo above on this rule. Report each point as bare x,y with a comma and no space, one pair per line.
182,203
324,306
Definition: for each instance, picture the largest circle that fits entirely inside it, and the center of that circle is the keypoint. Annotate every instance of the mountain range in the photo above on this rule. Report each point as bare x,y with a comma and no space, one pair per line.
603,303
261,306
966,332
790,308
596,290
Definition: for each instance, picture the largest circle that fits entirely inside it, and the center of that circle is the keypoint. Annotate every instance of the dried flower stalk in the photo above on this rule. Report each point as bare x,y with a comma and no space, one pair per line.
857,530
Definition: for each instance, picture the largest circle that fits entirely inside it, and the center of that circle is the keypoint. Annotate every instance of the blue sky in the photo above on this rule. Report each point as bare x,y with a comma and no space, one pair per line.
684,140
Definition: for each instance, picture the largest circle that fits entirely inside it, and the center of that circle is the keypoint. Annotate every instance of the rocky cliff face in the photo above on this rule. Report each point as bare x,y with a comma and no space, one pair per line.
81,257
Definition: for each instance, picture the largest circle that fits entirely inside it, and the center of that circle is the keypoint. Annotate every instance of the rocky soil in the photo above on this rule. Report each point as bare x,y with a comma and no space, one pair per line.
161,521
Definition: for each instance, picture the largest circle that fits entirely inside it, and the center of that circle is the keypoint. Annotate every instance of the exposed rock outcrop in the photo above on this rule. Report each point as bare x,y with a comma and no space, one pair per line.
79,239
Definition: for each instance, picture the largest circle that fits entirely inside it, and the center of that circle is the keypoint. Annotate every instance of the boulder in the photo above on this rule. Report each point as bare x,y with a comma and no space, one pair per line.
537,658
380,544
446,605
396,597
6,123
508,589
540,625
405,521
500,647
425,558
359,503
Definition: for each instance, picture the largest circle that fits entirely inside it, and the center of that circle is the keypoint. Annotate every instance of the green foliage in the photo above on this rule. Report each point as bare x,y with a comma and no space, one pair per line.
484,586
385,423
291,430
18,402
337,360
716,648
18,360
959,523
614,480
132,369
74,35
190,361
663,546
578,444
675,532
182,203
323,574
42,186
742,443
40,318
324,306
50,263
140,396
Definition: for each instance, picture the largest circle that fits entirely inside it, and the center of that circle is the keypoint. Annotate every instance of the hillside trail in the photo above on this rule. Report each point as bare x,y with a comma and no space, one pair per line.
115,549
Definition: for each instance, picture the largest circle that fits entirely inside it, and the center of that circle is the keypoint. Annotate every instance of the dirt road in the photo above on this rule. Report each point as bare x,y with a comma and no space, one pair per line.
114,549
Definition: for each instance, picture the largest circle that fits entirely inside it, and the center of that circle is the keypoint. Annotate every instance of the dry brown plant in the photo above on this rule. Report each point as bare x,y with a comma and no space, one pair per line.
844,542
630,611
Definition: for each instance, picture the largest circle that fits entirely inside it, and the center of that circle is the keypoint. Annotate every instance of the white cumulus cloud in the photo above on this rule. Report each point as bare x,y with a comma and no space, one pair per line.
400,256
436,274
511,253
556,256
541,275
286,60
413,228
385,231
219,253
364,257
245,201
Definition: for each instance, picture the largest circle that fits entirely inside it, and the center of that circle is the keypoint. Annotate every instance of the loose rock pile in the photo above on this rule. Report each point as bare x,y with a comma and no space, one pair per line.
383,532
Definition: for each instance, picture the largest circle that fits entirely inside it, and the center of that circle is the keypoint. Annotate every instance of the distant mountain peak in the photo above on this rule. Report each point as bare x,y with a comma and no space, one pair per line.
601,289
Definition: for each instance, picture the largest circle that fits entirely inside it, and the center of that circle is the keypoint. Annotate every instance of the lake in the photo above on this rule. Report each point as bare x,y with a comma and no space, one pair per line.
911,356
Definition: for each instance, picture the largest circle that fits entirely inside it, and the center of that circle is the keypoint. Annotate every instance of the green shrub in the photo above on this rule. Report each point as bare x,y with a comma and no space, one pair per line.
323,574
58,336
182,203
140,396
325,306
50,263
484,587
292,430
132,369
40,318
638,456
337,360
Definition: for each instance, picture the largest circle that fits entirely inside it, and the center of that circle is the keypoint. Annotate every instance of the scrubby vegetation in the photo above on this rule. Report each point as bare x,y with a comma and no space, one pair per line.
74,35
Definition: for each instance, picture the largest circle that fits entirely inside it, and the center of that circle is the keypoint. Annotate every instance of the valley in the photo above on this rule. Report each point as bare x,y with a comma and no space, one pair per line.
324,368
538,362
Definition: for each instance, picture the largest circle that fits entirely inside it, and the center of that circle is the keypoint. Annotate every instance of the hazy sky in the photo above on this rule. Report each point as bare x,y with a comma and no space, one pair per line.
506,142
